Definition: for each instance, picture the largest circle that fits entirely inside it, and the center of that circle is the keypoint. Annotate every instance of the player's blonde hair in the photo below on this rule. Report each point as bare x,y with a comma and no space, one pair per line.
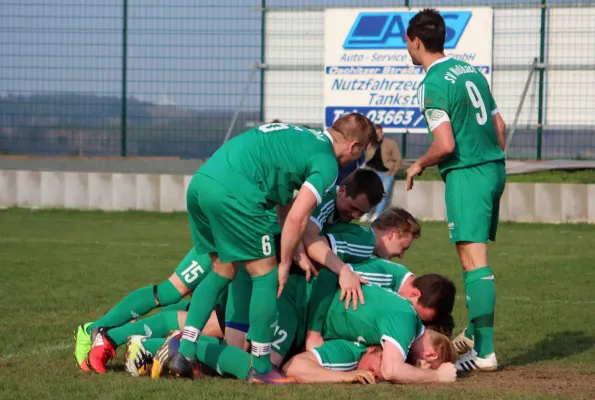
443,346
400,219
358,127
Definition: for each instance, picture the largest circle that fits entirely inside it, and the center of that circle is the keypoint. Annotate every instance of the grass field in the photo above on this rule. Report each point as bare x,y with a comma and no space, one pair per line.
555,176
61,268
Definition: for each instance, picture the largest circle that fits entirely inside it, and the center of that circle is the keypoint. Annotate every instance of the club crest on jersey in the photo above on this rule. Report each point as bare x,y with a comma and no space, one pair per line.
387,30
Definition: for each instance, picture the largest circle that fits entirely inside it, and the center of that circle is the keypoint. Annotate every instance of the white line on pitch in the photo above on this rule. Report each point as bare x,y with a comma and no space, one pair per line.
75,242
38,351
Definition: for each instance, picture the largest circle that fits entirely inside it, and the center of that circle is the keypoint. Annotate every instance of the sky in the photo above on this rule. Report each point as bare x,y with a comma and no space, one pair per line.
191,53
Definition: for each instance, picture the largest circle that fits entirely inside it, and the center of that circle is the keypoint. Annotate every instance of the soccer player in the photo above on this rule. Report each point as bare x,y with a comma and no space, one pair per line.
427,293
390,235
345,361
188,274
356,195
468,140
229,201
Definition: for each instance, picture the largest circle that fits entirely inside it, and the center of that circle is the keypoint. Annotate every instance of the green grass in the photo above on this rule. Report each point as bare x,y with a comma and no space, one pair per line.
556,176
61,268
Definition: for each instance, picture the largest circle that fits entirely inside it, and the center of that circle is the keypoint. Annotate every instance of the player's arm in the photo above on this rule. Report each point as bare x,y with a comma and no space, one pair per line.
318,249
293,230
444,141
305,368
443,144
500,128
394,368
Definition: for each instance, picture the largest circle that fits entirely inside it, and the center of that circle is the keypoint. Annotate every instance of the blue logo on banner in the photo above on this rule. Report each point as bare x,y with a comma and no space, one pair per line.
386,31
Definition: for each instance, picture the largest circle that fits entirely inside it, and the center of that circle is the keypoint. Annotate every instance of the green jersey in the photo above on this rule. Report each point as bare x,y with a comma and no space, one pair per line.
385,316
352,243
459,90
381,272
324,214
268,163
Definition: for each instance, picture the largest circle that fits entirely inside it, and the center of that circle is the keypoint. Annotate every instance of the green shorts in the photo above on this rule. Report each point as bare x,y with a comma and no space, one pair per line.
193,269
340,355
472,198
237,229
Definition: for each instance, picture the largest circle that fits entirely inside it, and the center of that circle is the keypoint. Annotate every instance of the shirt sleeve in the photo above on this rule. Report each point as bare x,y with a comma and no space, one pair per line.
493,105
324,210
340,355
322,175
401,329
352,244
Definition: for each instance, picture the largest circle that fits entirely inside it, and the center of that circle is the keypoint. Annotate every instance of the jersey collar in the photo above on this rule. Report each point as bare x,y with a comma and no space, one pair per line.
328,135
438,61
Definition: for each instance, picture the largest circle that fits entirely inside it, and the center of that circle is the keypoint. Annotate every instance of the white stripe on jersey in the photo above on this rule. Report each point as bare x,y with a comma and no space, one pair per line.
357,246
351,250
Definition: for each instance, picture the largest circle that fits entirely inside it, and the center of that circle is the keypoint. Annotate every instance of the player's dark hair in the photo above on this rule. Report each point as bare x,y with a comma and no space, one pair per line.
429,27
444,325
364,181
399,218
437,292
356,126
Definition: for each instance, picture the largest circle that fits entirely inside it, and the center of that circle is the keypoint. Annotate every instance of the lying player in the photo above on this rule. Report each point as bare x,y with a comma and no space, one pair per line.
386,319
292,308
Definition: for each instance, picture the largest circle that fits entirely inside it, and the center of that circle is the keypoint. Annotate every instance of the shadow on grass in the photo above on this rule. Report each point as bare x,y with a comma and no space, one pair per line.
555,346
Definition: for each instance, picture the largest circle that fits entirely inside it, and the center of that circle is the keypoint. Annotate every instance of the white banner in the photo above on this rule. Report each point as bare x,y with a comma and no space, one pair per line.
368,69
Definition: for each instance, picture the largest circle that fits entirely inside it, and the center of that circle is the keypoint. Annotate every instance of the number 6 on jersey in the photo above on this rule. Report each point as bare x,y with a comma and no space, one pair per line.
266,245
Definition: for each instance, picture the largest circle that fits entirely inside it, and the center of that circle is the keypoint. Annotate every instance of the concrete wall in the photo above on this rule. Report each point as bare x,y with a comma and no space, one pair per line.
522,202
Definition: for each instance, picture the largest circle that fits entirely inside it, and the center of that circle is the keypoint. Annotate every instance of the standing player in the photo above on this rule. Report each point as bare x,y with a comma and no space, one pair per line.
468,140
229,201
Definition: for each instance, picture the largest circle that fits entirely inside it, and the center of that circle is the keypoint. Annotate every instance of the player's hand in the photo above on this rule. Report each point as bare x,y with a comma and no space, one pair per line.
360,376
447,373
304,262
351,287
313,340
283,272
414,170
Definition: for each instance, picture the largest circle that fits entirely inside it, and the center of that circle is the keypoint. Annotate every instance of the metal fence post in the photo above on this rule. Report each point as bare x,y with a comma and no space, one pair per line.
262,61
404,137
123,116
541,78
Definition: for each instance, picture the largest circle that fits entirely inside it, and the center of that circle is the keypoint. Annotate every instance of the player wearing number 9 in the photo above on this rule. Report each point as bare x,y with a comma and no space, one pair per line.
468,141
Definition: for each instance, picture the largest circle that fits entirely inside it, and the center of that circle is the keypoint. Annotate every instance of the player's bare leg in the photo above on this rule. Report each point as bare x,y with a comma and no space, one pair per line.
480,294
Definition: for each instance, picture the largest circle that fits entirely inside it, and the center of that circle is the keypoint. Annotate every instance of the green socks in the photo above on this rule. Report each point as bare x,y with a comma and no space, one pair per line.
136,304
481,301
323,291
223,358
263,317
200,309
470,329
158,325
152,345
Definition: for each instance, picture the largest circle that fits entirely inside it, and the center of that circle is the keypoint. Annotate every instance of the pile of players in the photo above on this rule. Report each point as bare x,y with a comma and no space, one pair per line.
266,215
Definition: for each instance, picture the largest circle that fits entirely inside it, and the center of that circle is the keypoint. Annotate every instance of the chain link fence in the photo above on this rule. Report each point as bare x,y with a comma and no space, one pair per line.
196,72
